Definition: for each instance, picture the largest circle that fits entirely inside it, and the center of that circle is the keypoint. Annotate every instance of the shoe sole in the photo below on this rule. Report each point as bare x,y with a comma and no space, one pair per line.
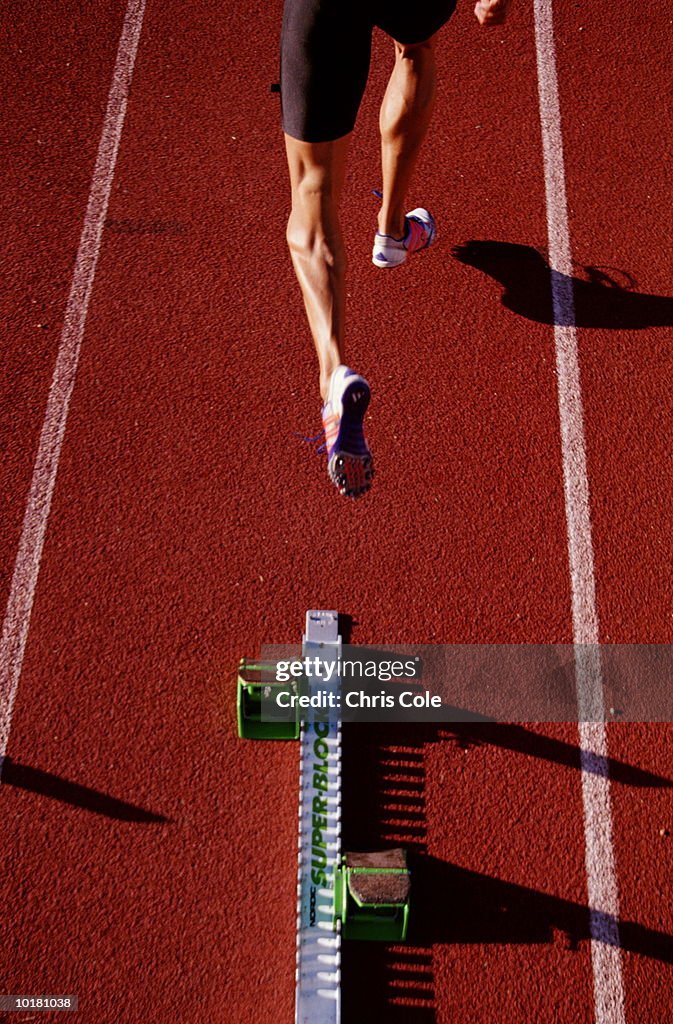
352,474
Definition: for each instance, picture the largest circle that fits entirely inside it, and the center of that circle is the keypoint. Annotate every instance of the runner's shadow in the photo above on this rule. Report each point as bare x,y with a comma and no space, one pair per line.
600,300
53,786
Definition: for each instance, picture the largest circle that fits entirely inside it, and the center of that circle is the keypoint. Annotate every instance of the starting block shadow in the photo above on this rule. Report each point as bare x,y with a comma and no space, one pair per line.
391,983
384,807
385,783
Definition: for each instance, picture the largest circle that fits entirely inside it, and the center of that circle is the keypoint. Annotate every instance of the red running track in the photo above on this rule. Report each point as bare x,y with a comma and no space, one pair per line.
151,854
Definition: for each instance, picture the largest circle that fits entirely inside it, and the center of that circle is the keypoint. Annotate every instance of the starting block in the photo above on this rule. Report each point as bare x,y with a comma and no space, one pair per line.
251,690
371,895
339,895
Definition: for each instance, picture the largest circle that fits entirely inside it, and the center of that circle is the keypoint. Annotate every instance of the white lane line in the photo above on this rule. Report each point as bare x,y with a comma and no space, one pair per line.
599,854
27,565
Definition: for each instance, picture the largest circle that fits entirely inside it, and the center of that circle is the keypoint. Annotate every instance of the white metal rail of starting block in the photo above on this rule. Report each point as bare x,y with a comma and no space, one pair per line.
318,974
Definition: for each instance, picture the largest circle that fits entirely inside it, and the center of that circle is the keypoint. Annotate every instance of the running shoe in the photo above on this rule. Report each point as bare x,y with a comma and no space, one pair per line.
420,233
349,460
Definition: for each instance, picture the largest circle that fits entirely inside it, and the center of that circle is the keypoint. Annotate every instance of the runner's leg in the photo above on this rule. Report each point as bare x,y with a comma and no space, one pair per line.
403,122
325,52
316,245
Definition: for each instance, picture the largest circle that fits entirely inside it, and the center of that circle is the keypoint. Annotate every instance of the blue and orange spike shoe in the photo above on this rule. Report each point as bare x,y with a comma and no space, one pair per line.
349,460
420,233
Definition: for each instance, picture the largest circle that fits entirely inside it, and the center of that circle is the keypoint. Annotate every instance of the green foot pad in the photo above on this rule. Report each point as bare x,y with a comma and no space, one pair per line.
372,895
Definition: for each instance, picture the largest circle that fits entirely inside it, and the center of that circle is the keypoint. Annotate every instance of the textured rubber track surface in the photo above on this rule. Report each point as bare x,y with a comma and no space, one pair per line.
149,854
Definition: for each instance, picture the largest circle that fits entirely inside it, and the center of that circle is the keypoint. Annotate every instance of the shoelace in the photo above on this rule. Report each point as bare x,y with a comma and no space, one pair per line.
352,438
312,440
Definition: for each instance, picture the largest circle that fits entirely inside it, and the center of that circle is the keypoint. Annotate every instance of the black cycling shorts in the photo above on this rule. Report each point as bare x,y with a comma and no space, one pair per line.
325,52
